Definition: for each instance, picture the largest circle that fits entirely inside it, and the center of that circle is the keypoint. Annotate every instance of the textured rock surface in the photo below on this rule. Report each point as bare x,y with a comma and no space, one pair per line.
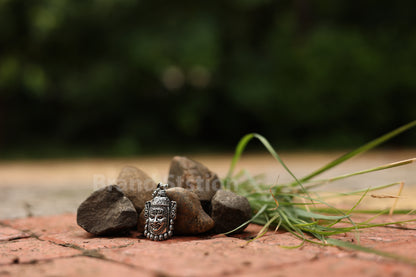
194,176
229,211
136,186
107,211
190,217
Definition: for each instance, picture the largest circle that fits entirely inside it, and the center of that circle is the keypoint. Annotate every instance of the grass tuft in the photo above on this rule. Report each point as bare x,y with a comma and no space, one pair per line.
311,219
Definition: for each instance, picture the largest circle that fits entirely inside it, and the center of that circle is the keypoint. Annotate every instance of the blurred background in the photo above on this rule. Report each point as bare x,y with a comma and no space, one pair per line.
91,85
130,77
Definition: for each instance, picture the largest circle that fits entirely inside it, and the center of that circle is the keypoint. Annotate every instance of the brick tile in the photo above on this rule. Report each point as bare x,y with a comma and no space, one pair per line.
8,233
393,240
332,266
251,231
45,224
205,257
31,249
84,240
72,267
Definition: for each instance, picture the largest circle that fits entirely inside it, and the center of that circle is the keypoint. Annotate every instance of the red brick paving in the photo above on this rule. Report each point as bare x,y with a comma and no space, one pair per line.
29,250
56,246
76,266
47,224
7,233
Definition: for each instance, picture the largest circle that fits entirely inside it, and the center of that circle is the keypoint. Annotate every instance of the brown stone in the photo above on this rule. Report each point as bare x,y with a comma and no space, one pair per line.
193,176
107,212
136,186
190,217
229,211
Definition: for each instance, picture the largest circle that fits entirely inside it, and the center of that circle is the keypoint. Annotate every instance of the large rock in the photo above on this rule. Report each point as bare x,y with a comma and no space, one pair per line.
136,185
190,217
107,211
229,211
194,176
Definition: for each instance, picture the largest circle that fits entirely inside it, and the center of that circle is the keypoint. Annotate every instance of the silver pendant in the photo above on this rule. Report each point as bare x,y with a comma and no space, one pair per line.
160,214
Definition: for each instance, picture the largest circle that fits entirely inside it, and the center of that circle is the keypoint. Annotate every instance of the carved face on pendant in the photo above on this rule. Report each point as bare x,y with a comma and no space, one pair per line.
158,220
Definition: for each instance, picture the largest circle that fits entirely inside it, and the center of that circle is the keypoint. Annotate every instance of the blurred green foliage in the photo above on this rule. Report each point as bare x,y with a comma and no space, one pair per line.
126,77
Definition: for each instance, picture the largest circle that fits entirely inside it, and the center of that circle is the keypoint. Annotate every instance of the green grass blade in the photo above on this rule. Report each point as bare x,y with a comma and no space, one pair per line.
306,214
378,168
330,210
383,167
361,191
357,236
359,201
366,225
278,205
238,152
359,150
240,149
265,227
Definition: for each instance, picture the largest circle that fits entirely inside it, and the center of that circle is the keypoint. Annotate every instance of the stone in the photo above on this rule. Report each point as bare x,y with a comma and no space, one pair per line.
196,177
107,211
229,210
190,217
136,186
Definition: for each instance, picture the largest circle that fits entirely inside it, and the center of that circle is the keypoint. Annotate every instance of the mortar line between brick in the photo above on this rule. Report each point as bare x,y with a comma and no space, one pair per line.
28,234
2,224
104,258
315,258
67,245
50,260
18,229
35,261
33,235
16,238
87,253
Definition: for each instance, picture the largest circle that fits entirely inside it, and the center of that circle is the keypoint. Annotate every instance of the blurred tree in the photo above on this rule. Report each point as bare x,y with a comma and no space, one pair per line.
124,77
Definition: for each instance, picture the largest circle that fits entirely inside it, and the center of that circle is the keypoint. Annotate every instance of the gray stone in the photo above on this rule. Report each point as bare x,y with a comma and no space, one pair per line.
193,176
107,211
229,211
190,217
136,186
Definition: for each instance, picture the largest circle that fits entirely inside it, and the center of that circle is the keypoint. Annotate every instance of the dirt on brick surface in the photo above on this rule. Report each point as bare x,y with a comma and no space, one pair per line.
56,246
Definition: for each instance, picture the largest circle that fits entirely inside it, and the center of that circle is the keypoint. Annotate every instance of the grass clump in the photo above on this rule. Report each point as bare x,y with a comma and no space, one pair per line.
300,210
